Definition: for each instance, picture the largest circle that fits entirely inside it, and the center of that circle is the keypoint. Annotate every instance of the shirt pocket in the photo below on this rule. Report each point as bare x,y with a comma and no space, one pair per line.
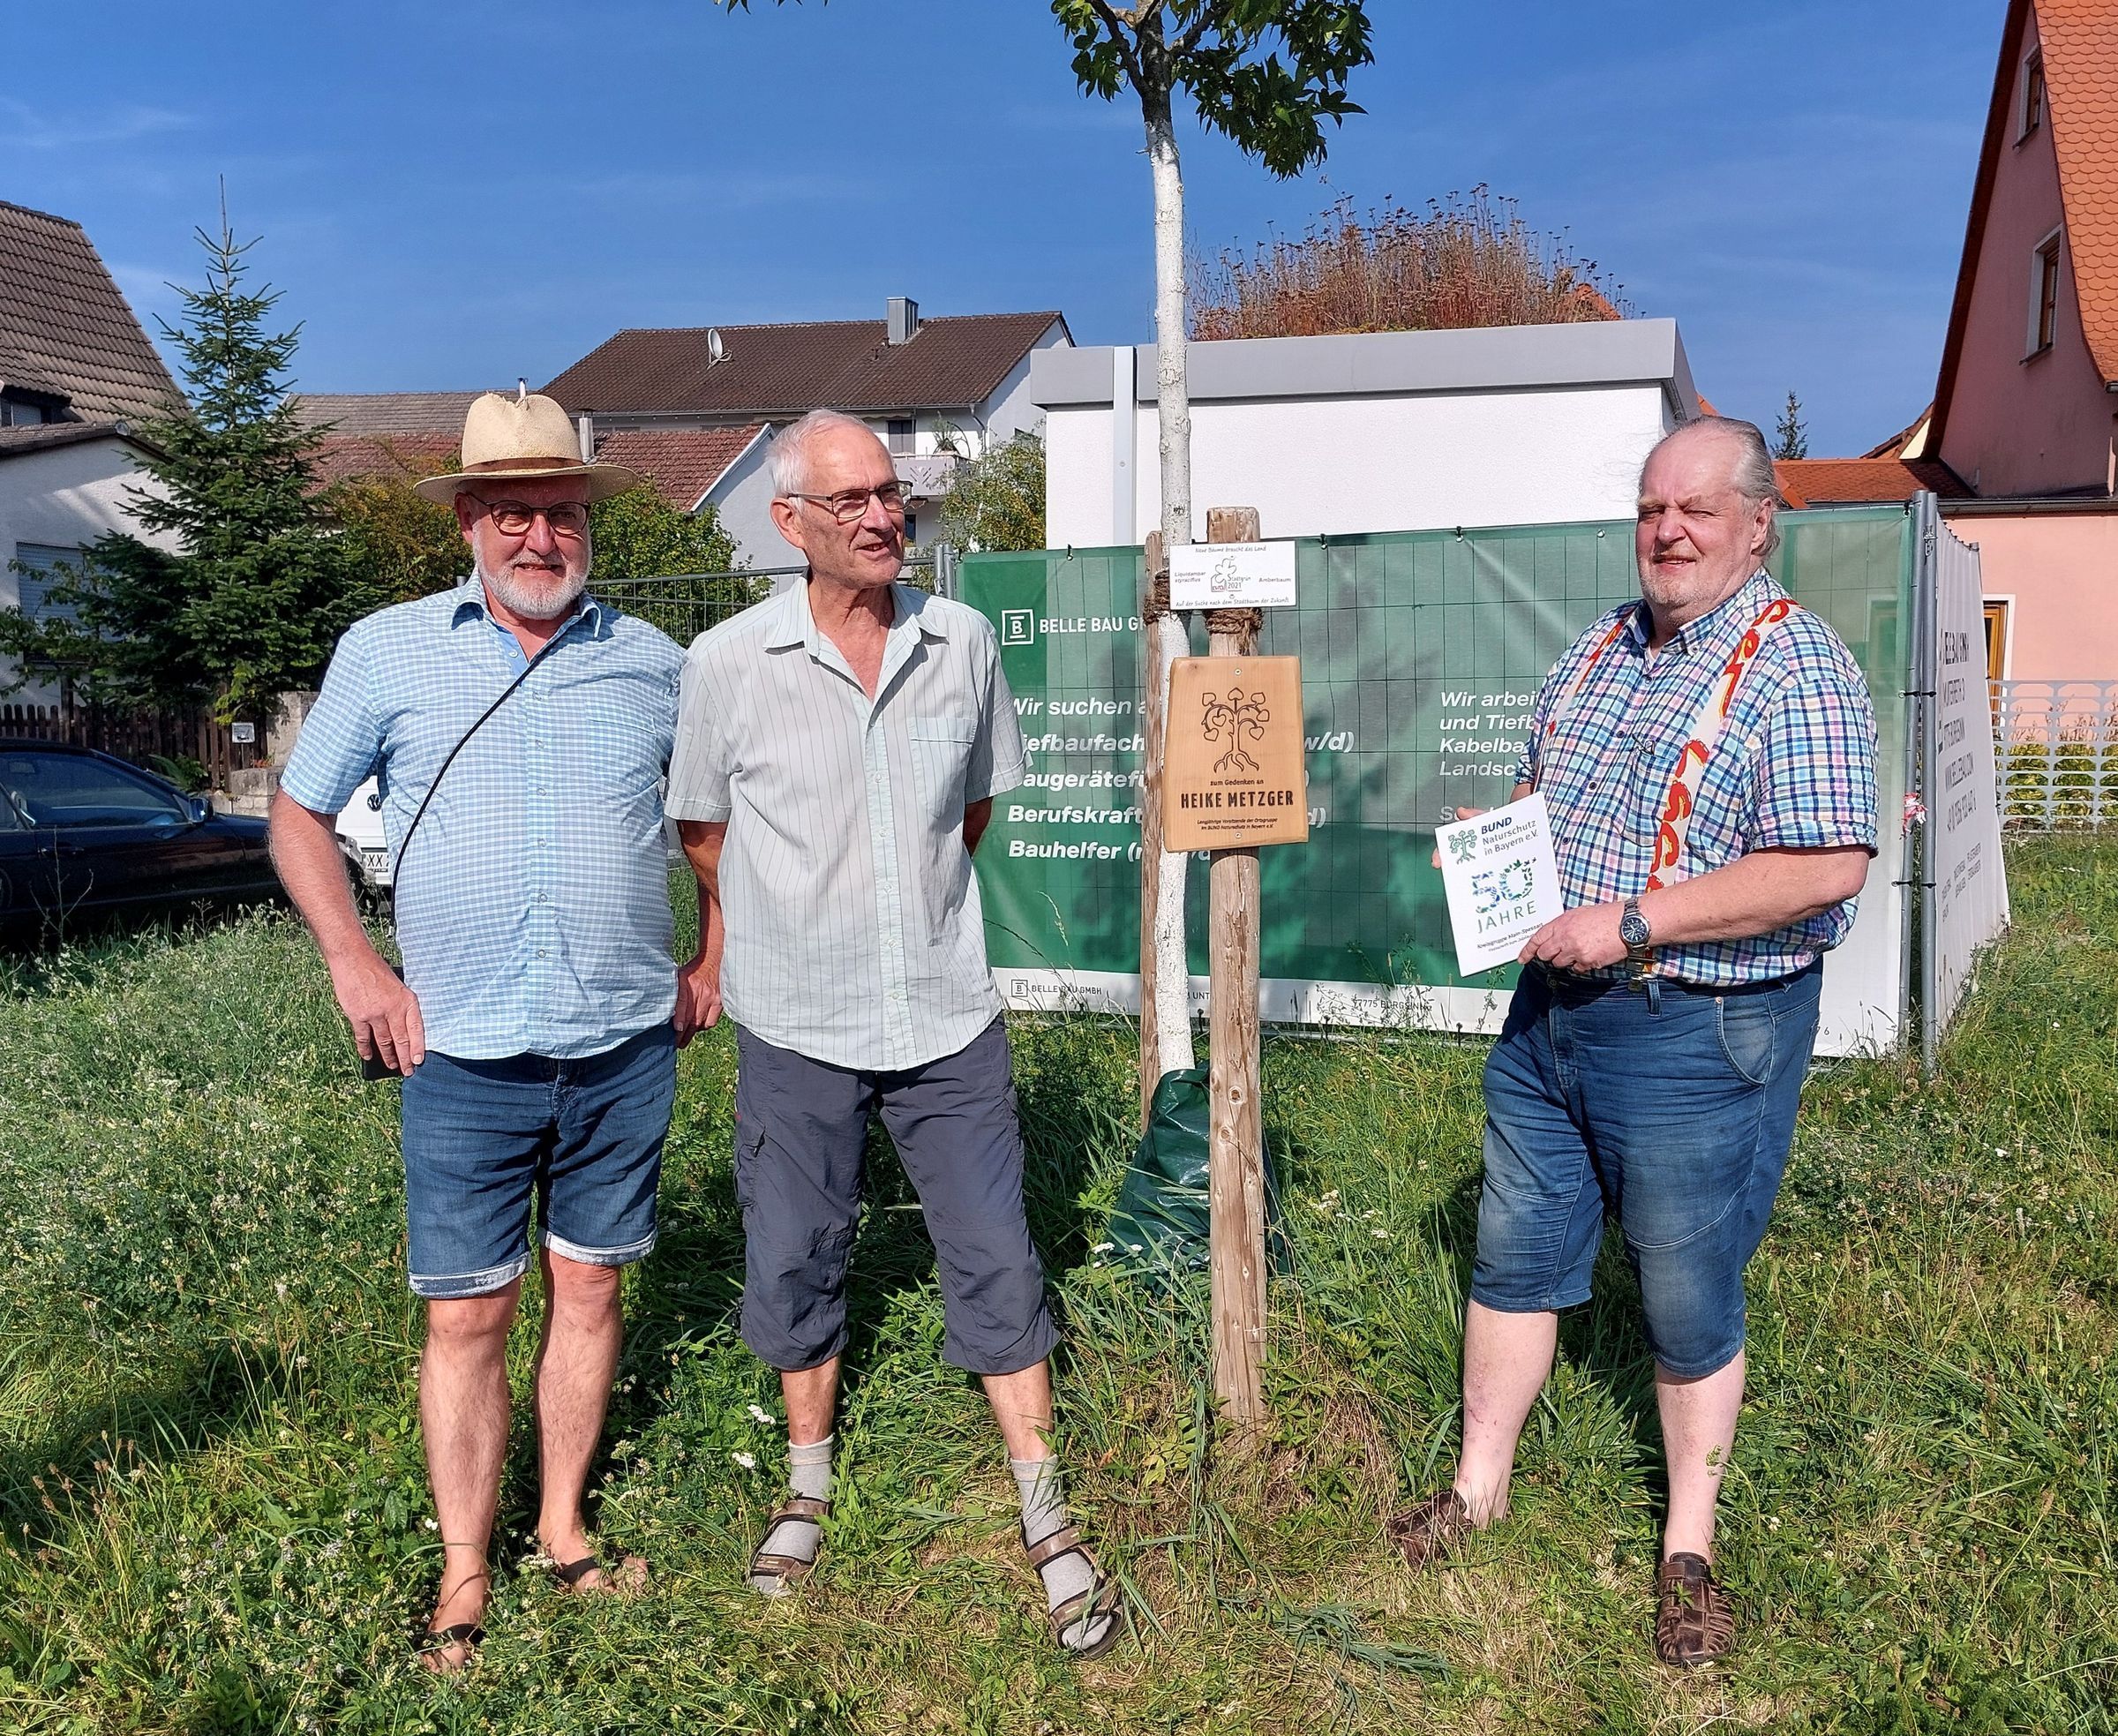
1644,769
940,755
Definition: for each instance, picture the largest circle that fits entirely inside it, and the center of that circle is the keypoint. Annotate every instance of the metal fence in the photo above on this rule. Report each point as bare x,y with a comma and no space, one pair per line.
2056,748
684,604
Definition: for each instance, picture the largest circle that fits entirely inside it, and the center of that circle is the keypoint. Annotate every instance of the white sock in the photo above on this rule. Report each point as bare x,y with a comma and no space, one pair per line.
1042,1487
808,1473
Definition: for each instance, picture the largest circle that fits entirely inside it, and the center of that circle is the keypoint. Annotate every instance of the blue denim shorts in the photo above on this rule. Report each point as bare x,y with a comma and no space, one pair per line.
582,1137
1673,1114
801,1132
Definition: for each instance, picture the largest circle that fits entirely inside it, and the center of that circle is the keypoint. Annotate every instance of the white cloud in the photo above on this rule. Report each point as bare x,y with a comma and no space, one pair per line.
115,125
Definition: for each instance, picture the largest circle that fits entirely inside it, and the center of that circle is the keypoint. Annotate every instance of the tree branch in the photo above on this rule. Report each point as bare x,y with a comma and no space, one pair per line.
1190,39
1117,26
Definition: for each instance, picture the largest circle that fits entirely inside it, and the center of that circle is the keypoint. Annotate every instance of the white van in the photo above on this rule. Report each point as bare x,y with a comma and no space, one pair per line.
360,835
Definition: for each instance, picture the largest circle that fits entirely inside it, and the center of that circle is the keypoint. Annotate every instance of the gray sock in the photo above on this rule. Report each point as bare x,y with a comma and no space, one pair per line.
808,1473
1043,1491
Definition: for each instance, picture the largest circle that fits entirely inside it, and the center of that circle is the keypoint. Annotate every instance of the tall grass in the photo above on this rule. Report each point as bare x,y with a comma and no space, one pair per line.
213,1501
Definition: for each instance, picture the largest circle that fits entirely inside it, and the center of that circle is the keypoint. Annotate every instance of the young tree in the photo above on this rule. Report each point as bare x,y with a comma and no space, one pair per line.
1265,74
399,545
256,592
1794,438
997,501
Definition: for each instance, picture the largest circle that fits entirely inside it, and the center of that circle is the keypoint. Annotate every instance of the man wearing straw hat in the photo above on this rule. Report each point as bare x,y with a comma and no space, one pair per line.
521,732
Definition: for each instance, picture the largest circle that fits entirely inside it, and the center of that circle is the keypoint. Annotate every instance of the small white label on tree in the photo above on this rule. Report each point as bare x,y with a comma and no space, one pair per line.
243,734
1232,575
1502,882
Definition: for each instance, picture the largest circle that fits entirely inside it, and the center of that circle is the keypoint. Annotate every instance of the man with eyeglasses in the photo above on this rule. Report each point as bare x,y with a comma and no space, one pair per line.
536,1021
838,748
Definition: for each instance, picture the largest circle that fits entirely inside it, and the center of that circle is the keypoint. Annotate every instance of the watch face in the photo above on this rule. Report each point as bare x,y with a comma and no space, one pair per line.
1633,928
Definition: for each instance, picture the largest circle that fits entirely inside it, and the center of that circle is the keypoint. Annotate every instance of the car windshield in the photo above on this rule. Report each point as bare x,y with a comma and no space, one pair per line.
74,790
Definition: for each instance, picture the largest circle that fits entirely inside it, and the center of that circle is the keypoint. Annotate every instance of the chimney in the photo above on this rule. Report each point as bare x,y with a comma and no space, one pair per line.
904,318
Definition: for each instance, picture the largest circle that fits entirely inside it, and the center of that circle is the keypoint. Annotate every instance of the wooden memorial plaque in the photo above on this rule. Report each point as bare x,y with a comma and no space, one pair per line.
1233,775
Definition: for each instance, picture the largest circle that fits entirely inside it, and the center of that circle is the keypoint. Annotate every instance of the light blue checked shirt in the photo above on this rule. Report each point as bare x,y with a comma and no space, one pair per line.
1794,767
533,905
855,933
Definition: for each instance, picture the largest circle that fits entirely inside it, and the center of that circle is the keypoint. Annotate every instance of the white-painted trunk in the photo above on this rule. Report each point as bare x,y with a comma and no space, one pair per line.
1171,640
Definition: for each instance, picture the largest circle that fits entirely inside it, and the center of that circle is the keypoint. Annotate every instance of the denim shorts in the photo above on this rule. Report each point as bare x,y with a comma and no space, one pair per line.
1673,1114
800,1128
583,1138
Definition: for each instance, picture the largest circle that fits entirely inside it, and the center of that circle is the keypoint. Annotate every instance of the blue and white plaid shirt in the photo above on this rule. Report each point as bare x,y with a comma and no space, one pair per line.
1794,767
533,905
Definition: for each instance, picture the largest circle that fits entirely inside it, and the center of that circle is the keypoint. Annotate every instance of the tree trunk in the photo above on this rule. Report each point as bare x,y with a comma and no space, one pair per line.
1165,970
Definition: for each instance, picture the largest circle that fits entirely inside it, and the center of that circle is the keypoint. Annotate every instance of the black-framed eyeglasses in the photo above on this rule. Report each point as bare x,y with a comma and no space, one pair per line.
514,518
849,504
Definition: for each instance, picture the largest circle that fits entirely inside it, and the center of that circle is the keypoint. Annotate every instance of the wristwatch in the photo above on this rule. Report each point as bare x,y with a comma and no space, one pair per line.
1633,930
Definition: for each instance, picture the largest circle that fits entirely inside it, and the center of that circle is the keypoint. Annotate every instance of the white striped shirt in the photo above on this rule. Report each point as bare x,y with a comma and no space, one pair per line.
855,933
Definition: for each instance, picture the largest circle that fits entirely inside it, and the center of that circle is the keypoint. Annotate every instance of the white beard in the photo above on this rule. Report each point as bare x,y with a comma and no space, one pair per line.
546,601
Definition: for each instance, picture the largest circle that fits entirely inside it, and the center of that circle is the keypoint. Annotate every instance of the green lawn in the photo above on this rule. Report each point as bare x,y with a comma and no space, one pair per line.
212,1497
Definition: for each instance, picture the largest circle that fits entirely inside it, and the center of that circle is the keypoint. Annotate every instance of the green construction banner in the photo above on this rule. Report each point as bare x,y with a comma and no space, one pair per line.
1421,655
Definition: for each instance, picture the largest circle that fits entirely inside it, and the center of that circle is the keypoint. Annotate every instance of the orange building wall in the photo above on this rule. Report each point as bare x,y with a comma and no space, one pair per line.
2060,570
2020,423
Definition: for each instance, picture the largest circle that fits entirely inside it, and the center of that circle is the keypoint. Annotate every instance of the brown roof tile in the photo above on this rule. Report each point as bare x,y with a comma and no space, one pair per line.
953,362
2079,41
1822,482
42,436
65,327
681,462
386,412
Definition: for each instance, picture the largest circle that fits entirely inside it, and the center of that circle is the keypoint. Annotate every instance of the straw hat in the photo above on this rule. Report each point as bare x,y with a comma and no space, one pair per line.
526,438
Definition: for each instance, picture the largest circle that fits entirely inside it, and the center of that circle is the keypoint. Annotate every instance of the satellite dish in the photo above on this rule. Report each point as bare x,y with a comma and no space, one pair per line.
715,348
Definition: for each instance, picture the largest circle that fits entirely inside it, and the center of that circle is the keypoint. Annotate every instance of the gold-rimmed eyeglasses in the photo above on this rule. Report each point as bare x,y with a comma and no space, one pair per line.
849,504
514,518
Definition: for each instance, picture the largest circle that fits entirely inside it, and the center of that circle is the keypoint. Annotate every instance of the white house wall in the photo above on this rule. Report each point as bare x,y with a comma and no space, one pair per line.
66,497
743,500
1336,466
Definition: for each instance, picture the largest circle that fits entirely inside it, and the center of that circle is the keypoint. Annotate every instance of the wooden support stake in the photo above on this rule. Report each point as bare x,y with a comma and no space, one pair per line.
1155,707
1235,1168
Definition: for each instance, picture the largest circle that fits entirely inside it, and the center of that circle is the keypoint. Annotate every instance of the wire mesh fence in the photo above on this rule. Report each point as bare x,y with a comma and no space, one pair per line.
684,604
2055,744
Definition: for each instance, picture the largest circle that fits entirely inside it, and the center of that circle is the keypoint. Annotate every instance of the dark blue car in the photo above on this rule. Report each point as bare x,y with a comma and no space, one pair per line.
84,837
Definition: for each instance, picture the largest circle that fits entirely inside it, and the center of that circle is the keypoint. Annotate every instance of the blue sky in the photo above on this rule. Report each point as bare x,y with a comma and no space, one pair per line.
450,196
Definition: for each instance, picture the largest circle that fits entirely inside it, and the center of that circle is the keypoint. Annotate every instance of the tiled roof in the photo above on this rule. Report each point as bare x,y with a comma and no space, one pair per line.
342,456
1906,442
387,412
953,362
43,436
1822,482
2079,41
64,328
681,462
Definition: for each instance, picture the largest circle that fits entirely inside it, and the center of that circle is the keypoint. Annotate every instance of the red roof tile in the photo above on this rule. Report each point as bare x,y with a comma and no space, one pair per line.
385,412
681,462
772,372
2079,42
343,456
1822,482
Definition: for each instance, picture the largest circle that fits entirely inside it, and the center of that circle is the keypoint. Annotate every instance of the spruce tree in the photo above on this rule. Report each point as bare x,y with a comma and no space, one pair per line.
256,590
1794,438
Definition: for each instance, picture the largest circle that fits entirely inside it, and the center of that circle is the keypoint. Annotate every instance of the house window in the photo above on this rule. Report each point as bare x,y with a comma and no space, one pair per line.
2034,95
1996,638
900,436
40,569
2043,293
18,415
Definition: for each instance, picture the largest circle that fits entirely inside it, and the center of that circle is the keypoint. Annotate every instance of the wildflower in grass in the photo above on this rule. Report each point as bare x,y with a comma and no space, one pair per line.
760,1415
748,1460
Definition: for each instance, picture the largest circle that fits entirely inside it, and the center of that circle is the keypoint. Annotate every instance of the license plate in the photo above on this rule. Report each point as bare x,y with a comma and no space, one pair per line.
376,862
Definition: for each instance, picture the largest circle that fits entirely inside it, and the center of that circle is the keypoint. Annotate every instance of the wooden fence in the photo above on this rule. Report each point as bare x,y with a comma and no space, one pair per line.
135,736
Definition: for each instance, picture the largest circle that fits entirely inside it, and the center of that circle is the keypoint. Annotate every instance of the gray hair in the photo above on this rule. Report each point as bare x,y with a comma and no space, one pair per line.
1753,476
789,459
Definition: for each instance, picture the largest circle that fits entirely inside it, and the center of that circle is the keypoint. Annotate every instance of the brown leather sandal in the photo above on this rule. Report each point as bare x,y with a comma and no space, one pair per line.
1695,1621
789,1570
1431,1529
1101,1598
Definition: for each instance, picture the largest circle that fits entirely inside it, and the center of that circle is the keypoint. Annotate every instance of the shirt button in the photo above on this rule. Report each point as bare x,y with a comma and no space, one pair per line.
542,953
541,898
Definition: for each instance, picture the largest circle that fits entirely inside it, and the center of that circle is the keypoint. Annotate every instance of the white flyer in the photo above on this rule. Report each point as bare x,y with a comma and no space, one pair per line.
1502,882
1232,575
